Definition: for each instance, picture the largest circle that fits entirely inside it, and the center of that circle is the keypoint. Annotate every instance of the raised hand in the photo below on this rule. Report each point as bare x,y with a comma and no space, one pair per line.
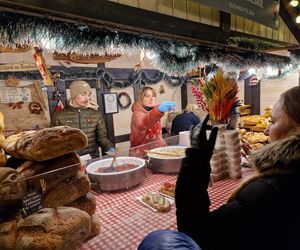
198,136
166,106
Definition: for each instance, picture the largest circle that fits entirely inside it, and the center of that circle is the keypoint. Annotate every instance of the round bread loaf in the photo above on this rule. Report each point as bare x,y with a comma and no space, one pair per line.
46,143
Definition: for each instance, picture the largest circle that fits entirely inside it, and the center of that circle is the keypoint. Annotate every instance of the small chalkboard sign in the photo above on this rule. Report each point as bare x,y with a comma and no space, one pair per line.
32,202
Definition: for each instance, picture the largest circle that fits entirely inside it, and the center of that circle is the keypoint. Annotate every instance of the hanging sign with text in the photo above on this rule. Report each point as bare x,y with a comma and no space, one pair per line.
262,11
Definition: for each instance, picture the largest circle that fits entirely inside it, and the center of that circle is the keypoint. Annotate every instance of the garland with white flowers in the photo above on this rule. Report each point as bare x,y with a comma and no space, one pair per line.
174,58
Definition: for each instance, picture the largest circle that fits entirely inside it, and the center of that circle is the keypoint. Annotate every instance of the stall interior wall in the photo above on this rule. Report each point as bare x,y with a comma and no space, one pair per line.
17,119
271,89
190,10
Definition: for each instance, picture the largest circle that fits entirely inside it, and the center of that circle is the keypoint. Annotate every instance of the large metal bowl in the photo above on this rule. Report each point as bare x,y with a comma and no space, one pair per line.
116,180
163,163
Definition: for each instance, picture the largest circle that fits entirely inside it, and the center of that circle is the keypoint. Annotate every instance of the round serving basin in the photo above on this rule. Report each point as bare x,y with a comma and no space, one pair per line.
121,179
167,160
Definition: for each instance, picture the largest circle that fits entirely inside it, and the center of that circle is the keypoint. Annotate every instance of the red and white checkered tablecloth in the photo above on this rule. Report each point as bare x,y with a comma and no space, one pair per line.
125,221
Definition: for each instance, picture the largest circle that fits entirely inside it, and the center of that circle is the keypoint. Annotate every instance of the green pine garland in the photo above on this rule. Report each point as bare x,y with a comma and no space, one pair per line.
173,57
251,43
135,78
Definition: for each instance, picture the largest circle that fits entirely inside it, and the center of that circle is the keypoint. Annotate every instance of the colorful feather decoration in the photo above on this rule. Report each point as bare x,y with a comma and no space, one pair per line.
216,95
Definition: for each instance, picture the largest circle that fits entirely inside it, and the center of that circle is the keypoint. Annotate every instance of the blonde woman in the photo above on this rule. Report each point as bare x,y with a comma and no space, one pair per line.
146,115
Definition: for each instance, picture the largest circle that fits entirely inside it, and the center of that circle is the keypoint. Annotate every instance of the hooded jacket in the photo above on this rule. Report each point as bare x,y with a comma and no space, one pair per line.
145,125
90,121
262,213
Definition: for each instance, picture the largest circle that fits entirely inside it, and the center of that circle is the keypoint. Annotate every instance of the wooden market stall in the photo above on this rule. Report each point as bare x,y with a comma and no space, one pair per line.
118,47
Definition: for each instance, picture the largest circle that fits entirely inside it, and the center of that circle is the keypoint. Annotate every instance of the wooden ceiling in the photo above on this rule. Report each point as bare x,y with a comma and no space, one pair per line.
289,14
109,14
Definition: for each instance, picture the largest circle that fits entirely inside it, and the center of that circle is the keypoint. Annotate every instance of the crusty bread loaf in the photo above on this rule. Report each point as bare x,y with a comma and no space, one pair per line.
66,166
95,226
64,228
12,191
8,235
46,143
68,191
86,203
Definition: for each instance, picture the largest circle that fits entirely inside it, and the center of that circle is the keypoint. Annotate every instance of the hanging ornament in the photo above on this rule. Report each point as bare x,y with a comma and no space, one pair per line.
41,64
161,89
59,106
139,66
35,108
123,95
12,81
17,105
253,80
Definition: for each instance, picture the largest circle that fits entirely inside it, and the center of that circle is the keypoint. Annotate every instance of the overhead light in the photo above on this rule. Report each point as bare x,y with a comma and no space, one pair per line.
251,71
150,54
298,19
294,3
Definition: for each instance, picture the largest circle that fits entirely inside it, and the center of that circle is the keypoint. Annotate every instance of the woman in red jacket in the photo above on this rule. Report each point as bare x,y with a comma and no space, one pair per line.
145,121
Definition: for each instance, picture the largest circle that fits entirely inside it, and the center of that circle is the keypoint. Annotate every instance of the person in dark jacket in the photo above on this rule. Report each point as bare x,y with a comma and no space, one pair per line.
186,120
80,112
263,212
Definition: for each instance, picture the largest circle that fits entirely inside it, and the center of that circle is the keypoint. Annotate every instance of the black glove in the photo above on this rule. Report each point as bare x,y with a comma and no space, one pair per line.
198,136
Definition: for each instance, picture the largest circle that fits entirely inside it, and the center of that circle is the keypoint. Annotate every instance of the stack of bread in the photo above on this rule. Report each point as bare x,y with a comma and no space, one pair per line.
233,152
255,140
257,123
219,162
45,161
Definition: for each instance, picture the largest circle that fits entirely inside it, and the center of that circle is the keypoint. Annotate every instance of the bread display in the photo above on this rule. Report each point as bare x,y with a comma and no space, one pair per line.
46,143
68,191
63,228
45,163
67,166
85,203
8,235
12,188
157,201
95,226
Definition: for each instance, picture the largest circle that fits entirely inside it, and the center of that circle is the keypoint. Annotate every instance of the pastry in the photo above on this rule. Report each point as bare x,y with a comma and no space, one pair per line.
157,201
168,189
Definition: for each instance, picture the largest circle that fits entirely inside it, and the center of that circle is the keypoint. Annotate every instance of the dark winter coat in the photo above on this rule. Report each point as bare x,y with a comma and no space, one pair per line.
184,122
145,126
90,121
263,213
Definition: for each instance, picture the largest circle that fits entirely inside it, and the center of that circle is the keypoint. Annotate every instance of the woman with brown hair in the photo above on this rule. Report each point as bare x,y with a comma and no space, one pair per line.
146,115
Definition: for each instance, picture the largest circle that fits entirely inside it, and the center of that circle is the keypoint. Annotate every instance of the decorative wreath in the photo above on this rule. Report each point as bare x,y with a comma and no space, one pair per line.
128,102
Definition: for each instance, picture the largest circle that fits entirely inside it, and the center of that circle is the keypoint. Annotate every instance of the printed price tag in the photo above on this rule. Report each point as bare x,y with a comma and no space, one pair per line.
32,202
